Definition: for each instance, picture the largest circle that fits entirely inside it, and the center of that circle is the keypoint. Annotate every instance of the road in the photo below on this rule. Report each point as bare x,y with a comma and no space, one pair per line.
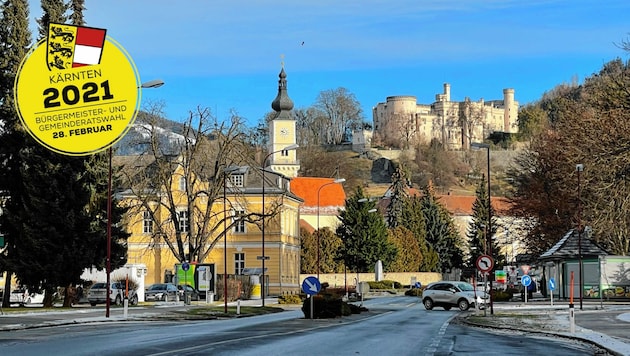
393,326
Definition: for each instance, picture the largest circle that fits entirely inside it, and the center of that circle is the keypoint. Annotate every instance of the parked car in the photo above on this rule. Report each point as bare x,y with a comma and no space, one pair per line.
187,288
22,297
162,291
98,292
448,294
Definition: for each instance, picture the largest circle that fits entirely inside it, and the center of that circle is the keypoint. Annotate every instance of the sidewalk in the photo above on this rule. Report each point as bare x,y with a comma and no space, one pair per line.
539,316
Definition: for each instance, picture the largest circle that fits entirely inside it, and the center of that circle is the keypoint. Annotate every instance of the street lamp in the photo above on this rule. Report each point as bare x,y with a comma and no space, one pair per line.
226,172
489,226
288,148
579,168
338,180
156,83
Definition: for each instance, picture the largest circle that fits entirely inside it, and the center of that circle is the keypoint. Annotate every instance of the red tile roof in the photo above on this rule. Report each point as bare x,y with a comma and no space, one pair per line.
307,188
462,204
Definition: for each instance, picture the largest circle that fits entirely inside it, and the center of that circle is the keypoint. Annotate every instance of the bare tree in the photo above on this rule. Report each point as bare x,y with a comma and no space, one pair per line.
342,111
180,181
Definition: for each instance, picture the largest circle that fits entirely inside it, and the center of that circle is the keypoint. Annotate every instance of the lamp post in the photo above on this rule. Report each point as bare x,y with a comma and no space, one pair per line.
489,225
288,148
579,168
156,83
226,171
336,181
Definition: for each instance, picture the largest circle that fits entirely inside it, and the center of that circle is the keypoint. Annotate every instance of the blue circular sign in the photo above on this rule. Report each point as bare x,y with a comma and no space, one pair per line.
311,285
526,280
185,266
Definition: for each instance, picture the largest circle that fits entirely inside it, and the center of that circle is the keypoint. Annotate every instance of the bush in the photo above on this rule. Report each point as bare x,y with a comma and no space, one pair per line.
325,307
501,296
385,285
290,299
414,292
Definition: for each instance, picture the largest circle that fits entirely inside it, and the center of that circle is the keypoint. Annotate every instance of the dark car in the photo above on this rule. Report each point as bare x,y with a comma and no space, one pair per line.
162,292
187,288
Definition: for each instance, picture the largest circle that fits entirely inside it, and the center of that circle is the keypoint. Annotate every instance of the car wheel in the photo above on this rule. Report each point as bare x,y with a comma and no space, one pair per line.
447,307
93,304
134,300
428,304
463,305
164,297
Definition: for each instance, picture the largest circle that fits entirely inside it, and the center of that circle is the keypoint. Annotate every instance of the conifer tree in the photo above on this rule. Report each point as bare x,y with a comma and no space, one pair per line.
442,234
54,214
413,220
364,235
76,12
397,197
15,40
479,235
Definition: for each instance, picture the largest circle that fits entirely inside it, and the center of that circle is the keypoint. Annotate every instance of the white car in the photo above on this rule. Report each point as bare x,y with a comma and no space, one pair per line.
23,297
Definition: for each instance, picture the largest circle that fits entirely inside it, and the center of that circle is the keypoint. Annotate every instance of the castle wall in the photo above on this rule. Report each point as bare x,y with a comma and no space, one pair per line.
401,121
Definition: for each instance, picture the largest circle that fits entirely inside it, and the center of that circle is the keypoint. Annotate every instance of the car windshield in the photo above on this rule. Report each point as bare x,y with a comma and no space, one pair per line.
466,287
99,286
157,287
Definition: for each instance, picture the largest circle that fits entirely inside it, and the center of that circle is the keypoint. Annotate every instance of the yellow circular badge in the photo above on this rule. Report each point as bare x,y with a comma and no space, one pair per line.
78,91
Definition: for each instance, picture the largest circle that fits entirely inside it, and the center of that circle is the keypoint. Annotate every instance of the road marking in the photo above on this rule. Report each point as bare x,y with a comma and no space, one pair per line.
438,338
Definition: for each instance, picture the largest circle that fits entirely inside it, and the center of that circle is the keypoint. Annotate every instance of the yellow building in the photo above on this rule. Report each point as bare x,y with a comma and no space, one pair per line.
172,212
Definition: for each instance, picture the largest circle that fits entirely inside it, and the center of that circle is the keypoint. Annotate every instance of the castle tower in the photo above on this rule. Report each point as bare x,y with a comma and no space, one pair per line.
282,132
510,109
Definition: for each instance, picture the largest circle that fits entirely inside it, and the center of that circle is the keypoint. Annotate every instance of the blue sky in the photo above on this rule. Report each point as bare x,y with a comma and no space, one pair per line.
226,55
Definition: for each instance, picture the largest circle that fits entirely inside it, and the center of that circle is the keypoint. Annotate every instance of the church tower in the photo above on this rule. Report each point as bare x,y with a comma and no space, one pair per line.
282,132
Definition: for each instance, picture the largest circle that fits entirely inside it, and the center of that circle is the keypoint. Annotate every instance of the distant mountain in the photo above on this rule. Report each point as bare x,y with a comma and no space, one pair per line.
136,141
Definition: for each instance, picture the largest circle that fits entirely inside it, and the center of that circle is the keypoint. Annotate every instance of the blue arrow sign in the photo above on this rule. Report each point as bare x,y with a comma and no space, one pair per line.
552,283
526,280
311,285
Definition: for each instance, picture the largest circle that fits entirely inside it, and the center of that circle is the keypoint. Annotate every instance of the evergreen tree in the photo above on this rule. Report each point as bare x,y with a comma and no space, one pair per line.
442,234
330,245
15,39
76,15
308,252
364,235
56,206
408,257
397,197
53,11
413,220
479,234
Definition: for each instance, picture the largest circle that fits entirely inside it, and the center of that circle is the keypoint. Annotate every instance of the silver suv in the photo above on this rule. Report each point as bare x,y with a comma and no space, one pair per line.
98,292
448,294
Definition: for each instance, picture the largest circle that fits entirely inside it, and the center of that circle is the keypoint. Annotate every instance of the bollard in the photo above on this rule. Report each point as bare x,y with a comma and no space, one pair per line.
572,318
238,307
126,307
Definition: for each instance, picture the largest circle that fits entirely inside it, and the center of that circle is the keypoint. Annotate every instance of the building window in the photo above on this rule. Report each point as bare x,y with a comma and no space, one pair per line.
147,223
285,153
239,263
182,184
237,180
183,221
239,226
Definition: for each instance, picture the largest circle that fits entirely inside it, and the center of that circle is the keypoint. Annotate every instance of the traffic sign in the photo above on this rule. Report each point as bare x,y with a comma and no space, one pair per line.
526,280
311,285
552,283
485,263
262,258
185,266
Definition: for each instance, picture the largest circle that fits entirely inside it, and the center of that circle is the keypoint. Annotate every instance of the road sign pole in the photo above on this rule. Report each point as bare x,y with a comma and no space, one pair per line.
311,306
